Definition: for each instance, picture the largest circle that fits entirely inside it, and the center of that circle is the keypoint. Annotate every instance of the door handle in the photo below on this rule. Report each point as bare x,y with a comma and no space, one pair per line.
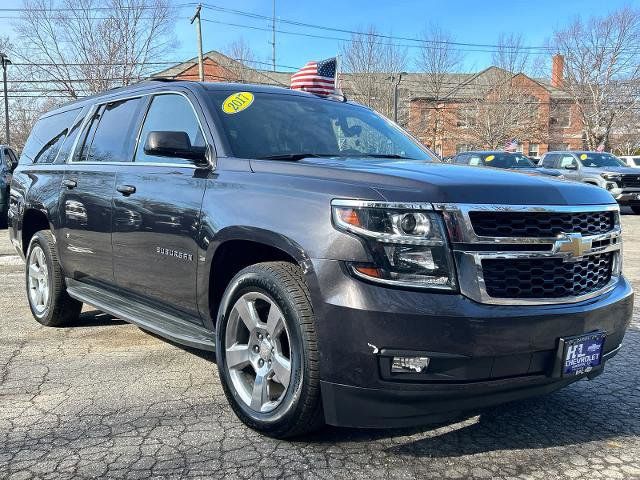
70,184
126,190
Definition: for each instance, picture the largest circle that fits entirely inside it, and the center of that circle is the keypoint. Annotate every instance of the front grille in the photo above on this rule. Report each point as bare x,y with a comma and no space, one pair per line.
542,278
540,224
630,181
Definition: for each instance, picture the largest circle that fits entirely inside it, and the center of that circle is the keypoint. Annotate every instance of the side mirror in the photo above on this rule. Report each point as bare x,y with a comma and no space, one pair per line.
175,145
571,166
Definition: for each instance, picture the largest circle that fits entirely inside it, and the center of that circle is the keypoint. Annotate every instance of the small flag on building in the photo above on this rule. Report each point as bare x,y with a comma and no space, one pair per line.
317,77
511,146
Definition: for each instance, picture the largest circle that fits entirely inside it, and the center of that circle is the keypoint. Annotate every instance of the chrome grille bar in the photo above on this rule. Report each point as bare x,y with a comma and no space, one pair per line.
469,262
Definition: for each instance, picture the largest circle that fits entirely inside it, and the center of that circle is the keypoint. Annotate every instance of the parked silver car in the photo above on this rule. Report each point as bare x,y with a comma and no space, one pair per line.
602,169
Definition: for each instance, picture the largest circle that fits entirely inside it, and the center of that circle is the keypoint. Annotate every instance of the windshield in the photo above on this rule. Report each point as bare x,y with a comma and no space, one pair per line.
292,127
599,160
507,160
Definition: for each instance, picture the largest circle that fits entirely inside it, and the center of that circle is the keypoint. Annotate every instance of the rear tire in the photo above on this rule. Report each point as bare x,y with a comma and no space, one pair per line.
4,218
49,301
635,209
267,352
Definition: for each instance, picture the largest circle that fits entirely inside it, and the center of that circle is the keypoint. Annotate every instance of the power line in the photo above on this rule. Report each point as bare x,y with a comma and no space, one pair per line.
356,32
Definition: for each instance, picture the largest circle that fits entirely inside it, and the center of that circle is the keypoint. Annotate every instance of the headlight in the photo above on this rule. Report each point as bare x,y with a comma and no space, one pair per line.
408,243
611,176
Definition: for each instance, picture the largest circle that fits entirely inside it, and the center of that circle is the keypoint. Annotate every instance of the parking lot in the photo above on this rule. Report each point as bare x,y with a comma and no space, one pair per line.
106,399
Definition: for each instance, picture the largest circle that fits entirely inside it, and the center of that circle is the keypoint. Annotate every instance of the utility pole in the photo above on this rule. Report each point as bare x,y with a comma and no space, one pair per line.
5,61
273,37
395,96
199,30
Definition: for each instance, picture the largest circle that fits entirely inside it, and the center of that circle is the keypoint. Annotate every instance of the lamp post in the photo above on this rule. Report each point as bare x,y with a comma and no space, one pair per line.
5,61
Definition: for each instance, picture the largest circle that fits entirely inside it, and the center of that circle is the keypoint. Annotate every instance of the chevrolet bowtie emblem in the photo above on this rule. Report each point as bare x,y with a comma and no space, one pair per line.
572,243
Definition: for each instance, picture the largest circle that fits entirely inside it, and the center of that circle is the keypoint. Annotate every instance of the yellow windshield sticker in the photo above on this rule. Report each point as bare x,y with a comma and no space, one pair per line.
237,102
583,156
489,158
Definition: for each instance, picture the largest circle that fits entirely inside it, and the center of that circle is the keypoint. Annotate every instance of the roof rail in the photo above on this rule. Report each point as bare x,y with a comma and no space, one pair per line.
163,79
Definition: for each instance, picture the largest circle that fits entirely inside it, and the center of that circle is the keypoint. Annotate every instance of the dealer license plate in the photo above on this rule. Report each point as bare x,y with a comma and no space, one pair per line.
582,353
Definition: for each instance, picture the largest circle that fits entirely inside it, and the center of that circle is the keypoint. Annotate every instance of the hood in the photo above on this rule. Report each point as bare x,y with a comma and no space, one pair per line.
541,170
417,181
621,170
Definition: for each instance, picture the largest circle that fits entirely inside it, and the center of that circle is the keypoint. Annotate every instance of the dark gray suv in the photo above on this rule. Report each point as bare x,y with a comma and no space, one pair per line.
339,271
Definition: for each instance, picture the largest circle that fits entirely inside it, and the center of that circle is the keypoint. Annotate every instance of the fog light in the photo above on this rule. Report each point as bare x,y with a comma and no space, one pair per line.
611,185
409,364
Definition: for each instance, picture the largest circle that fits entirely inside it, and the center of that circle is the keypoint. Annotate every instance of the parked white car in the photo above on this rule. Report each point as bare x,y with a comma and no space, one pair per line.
631,160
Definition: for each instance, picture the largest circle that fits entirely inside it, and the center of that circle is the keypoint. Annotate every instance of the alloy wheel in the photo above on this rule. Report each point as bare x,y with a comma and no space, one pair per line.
258,351
38,280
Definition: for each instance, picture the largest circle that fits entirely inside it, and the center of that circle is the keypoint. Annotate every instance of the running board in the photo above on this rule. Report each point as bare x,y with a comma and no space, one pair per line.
148,318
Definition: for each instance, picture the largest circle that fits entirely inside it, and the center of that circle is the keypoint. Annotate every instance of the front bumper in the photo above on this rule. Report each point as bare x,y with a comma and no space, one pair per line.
481,354
626,197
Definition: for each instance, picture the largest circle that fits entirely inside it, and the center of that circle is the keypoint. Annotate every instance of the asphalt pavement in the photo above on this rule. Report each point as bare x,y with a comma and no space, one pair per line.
105,399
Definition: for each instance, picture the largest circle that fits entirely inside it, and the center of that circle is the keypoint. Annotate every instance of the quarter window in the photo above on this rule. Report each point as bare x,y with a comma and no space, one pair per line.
109,136
169,113
47,137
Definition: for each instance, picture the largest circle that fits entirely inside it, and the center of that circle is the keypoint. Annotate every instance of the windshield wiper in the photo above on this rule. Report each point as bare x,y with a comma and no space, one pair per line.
383,155
296,156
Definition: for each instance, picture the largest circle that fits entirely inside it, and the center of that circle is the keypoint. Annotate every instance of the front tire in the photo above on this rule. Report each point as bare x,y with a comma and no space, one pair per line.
49,301
267,350
635,209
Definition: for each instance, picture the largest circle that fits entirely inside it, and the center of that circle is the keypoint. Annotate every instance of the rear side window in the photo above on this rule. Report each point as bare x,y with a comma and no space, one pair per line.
549,160
170,113
111,133
47,137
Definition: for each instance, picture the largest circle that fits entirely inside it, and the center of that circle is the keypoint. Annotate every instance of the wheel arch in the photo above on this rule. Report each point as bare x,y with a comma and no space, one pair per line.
235,248
33,220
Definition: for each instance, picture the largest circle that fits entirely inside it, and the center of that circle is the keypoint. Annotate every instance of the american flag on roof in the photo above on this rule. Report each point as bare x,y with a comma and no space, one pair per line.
316,77
511,145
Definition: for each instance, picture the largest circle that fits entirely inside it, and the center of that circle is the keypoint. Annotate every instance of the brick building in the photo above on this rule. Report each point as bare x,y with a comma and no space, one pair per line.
554,121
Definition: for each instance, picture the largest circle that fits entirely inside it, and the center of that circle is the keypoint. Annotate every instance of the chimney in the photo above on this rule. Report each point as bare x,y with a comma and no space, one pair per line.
557,71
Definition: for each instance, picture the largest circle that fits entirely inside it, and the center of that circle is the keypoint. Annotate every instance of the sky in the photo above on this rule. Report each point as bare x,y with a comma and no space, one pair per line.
468,21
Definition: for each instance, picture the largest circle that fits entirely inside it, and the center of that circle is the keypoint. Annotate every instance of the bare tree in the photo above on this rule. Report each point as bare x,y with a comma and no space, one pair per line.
438,59
602,69
243,61
504,106
373,61
625,133
510,54
504,109
87,46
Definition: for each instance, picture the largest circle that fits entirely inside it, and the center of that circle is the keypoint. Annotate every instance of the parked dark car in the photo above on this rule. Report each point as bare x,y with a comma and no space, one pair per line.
602,169
8,163
338,270
500,159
